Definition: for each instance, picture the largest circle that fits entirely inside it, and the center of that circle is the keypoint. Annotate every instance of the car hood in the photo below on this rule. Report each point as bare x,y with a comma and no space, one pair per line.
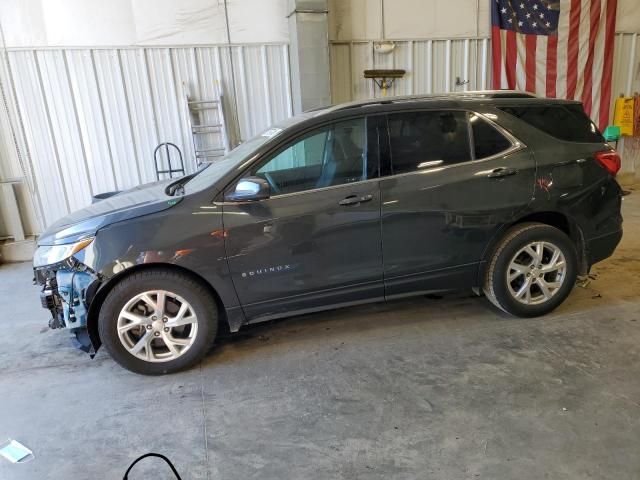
138,201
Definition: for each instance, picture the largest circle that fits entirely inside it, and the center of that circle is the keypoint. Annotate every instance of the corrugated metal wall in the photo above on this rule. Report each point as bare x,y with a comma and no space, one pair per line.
433,66
89,119
626,64
626,81
452,65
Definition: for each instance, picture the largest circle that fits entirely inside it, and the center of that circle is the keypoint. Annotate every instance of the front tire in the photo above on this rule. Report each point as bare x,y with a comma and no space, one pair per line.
158,321
532,271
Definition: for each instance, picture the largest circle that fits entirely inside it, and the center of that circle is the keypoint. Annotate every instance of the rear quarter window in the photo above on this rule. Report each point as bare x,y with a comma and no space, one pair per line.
564,122
487,141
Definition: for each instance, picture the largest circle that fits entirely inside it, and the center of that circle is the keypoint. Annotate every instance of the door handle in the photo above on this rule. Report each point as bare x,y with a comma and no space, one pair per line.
502,172
355,199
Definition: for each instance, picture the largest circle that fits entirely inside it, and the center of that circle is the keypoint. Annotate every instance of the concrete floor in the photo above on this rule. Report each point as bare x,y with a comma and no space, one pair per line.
424,388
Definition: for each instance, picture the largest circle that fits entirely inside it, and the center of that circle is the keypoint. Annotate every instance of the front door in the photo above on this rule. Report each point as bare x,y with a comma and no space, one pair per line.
316,241
452,178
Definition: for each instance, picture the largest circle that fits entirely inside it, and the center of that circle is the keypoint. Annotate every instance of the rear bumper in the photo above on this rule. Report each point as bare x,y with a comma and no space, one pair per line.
603,246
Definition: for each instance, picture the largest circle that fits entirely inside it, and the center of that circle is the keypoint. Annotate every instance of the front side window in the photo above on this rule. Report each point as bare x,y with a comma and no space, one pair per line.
332,155
420,140
487,140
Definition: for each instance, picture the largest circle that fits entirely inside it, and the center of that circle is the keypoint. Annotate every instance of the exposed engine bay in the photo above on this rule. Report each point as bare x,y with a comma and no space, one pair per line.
65,290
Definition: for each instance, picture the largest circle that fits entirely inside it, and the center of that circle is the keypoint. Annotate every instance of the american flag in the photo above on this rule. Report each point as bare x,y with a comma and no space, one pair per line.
556,48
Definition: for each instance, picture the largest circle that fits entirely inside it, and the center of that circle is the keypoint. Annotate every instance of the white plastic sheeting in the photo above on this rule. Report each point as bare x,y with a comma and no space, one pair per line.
89,119
407,19
416,19
114,23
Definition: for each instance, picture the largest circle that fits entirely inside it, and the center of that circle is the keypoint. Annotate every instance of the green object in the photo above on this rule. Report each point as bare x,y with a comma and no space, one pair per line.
612,133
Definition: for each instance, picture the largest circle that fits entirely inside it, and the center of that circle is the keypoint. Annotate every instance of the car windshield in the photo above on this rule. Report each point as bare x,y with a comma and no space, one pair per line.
215,170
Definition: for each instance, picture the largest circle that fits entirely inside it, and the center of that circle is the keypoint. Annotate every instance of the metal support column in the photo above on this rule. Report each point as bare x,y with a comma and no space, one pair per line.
309,54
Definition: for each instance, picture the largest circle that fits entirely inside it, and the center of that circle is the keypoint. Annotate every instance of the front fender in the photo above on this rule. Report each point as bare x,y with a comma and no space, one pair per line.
189,237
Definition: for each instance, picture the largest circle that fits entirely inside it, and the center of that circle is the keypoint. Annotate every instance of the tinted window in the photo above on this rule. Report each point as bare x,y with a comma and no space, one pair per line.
487,140
333,155
565,122
427,139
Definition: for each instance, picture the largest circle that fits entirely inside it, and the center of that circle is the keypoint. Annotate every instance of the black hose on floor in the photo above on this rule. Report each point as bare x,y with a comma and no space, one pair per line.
173,469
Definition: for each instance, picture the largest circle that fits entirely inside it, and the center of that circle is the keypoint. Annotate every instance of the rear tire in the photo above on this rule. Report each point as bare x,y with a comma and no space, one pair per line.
532,270
158,321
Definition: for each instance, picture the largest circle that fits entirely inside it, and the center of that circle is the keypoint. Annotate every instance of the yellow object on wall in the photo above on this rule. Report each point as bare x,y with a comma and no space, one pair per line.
636,116
623,116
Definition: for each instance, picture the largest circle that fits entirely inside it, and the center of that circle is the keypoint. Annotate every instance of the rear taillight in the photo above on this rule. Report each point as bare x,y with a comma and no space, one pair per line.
610,160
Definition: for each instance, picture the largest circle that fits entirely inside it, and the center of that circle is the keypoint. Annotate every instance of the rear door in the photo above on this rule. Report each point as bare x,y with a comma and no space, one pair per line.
451,179
316,241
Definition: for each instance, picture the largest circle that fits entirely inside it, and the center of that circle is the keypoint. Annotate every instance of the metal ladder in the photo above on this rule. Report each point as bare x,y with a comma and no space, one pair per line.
208,128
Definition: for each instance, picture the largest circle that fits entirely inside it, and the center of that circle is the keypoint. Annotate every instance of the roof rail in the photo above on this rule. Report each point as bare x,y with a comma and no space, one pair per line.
478,94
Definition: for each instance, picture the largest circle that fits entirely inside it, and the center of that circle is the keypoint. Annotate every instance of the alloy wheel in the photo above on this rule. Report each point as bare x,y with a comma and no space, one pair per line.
157,326
536,273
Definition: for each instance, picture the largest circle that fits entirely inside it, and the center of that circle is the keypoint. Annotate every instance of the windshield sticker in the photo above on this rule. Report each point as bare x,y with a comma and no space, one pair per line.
272,132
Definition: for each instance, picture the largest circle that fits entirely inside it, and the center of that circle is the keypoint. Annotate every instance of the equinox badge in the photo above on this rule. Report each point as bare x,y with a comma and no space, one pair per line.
265,270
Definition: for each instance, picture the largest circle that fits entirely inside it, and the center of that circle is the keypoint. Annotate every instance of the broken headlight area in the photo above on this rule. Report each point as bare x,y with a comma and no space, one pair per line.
65,290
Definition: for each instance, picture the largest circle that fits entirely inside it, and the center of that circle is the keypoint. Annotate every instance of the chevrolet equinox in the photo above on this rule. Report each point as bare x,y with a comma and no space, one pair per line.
499,192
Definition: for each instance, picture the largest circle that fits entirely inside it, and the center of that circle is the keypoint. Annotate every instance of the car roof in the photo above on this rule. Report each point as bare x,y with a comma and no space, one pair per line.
454,99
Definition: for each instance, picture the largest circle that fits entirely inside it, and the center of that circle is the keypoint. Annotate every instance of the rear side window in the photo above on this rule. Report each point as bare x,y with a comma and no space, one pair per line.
420,140
487,140
564,122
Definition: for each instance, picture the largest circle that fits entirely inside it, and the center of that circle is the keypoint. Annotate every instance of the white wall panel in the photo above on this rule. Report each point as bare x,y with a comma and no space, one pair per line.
67,142
116,118
435,18
361,60
11,169
95,141
38,136
14,156
341,76
432,66
141,110
626,65
277,61
168,100
355,19
213,78
628,16
626,81
90,119
258,70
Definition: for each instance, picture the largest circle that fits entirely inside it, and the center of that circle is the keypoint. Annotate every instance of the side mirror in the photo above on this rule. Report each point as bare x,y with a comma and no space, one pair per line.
249,189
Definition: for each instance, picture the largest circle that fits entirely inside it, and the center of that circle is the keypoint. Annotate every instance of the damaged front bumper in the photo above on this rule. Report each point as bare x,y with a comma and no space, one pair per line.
66,290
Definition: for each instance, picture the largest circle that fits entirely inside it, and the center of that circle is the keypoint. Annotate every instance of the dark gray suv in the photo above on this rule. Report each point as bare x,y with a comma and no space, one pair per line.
499,192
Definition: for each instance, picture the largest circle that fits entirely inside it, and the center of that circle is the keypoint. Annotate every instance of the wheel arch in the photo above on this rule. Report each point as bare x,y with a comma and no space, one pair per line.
96,302
555,219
